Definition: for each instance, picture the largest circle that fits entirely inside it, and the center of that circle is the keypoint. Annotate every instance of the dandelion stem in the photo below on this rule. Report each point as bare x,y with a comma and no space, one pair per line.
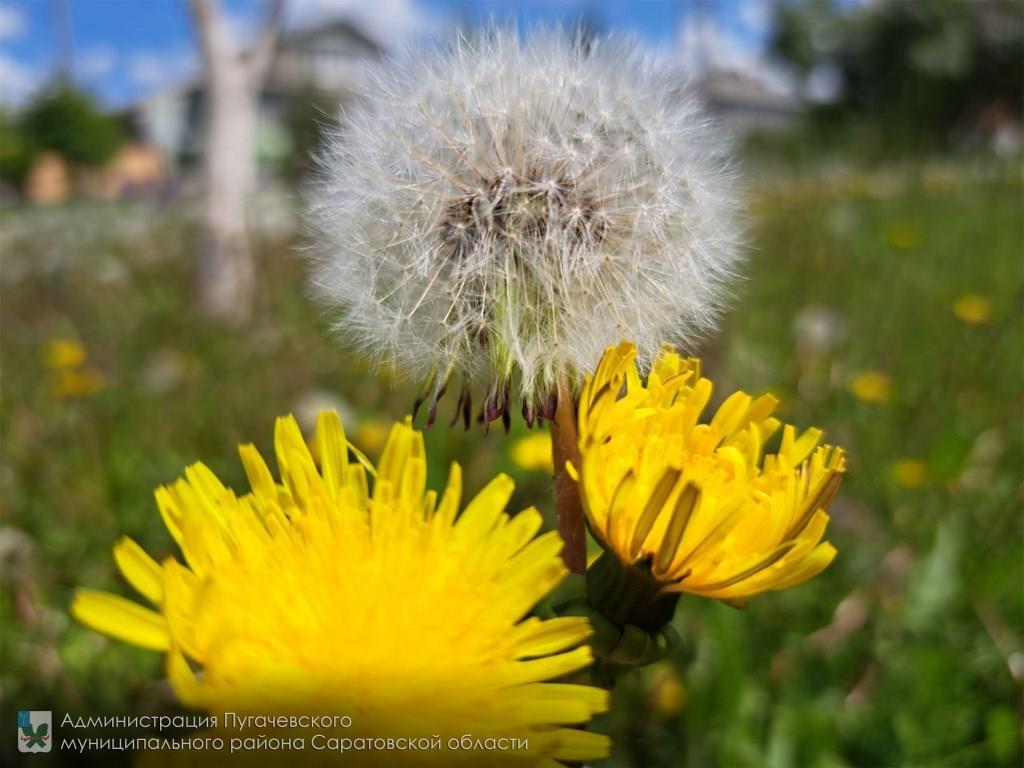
568,503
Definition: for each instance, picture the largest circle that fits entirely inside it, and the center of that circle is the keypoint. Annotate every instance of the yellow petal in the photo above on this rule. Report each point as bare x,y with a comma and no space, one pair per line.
121,619
183,679
483,511
333,449
731,413
539,638
560,703
536,670
575,745
141,570
260,479
448,507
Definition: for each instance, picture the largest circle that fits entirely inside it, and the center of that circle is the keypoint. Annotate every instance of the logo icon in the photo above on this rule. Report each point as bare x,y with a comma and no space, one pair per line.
35,730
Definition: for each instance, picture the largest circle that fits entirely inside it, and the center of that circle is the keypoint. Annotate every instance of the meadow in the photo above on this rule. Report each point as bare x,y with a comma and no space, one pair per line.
882,305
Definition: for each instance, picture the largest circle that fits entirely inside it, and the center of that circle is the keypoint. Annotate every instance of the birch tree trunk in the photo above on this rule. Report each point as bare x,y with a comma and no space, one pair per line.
226,273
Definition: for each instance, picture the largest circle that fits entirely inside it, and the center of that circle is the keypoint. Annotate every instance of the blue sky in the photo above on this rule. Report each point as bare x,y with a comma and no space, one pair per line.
123,49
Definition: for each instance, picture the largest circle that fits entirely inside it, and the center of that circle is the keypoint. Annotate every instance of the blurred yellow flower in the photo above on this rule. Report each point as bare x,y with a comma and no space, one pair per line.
69,379
871,387
904,236
371,434
69,384
700,507
973,309
319,595
666,693
61,354
533,452
910,473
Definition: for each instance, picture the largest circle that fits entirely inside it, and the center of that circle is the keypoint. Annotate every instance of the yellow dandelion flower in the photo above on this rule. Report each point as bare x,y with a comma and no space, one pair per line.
699,507
69,384
533,452
666,694
371,434
904,236
973,309
910,473
63,354
871,387
319,595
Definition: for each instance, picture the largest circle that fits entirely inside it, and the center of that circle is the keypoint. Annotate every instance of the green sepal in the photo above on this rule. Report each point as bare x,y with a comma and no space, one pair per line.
568,599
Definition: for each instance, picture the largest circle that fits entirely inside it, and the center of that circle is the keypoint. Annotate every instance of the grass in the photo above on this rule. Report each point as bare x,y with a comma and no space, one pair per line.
907,651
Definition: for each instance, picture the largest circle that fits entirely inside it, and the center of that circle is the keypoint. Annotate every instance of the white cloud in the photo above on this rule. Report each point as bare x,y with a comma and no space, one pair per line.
17,82
386,21
12,23
96,62
157,70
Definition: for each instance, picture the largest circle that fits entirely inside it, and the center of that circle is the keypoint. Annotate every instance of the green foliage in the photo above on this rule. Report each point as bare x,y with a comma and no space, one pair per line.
308,115
16,149
901,653
805,32
914,74
66,120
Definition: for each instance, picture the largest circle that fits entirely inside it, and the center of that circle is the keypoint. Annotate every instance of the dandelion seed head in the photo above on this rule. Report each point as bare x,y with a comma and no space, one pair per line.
506,209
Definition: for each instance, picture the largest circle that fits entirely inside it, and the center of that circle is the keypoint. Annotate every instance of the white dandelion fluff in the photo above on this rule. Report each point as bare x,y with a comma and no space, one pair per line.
504,210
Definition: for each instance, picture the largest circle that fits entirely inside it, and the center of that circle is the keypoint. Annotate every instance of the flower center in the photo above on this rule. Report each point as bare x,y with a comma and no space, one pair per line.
523,212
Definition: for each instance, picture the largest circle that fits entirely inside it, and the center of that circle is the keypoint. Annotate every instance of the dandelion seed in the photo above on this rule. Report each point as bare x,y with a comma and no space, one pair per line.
818,329
699,507
503,210
318,595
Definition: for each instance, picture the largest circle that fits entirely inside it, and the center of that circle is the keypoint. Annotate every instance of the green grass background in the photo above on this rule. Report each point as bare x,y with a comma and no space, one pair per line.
907,651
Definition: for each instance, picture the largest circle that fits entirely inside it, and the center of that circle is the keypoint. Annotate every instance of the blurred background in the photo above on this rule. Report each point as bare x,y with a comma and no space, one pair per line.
145,328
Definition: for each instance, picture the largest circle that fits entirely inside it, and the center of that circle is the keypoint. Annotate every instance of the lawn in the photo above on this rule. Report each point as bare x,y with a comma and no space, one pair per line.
884,306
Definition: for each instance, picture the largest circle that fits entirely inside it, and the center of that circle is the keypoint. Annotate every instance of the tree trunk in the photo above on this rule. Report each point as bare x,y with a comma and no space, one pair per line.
226,273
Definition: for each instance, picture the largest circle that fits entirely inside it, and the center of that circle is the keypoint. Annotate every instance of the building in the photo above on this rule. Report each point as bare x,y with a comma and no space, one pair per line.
747,106
323,61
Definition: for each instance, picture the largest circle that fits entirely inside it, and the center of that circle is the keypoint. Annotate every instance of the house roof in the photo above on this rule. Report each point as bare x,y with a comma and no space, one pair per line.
337,27
733,88
303,38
